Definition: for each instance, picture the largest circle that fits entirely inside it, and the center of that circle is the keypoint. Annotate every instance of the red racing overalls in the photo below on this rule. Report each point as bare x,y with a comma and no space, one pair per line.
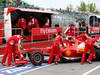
33,23
56,49
70,32
82,37
89,45
10,49
22,23
47,23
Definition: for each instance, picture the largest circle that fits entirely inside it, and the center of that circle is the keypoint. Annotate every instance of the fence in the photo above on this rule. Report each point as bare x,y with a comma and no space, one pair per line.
63,19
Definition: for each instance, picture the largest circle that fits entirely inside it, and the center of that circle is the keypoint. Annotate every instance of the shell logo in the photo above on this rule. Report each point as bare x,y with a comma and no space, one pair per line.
68,52
81,49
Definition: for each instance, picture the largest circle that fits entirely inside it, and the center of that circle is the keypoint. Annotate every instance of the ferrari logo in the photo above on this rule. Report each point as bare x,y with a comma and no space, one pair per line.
68,52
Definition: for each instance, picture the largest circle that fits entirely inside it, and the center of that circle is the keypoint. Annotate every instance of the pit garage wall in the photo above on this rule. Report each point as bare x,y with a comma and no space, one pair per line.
1,33
7,25
30,45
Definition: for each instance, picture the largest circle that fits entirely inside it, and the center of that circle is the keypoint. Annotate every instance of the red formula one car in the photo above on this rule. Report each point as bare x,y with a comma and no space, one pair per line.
36,55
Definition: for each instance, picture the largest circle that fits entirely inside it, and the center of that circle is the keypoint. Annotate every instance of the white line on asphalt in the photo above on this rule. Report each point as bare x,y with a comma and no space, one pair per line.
33,69
86,73
6,68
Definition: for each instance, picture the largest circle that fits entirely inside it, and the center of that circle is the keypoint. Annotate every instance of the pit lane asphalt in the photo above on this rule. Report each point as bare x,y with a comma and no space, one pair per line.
72,68
67,68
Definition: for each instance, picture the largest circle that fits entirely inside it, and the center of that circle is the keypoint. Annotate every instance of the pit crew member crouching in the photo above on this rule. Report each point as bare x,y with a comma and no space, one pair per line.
10,51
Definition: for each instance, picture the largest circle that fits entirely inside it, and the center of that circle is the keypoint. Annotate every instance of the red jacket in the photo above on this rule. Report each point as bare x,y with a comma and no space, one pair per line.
33,23
47,23
22,23
15,38
82,37
70,32
58,40
90,42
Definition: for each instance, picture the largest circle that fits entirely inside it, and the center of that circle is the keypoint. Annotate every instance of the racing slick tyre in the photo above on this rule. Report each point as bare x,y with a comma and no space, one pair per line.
97,53
36,58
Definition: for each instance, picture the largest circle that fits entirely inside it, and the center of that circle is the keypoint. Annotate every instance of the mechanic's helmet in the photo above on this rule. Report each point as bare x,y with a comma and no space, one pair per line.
59,33
12,42
71,24
93,36
70,38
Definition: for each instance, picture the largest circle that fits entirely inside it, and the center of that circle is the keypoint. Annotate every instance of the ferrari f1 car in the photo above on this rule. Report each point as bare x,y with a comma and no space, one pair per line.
70,52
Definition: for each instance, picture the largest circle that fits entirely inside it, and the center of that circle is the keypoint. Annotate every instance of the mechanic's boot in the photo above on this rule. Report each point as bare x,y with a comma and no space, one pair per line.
94,57
89,61
3,64
82,63
56,63
9,65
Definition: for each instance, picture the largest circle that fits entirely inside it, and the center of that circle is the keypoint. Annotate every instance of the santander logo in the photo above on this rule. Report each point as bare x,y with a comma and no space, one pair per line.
47,31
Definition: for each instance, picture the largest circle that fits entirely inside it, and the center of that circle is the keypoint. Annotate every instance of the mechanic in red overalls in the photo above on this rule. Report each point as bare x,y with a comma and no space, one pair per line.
10,50
33,22
56,48
82,37
70,41
22,23
47,23
89,45
70,31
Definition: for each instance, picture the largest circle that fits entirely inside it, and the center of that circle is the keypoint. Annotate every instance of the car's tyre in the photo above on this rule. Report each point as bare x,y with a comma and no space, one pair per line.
36,58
